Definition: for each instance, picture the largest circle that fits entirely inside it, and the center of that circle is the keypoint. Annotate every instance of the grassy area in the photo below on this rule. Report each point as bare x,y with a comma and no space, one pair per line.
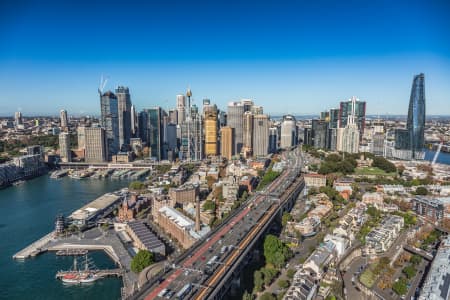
372,171
368,278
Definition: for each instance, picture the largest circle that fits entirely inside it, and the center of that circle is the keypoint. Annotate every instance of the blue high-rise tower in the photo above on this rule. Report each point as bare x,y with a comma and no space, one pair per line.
416,114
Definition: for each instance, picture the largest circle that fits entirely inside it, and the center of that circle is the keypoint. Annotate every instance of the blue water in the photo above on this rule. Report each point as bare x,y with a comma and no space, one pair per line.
27,213
443,158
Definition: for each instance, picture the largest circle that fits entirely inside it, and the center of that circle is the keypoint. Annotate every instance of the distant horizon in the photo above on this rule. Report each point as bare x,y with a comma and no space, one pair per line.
302,56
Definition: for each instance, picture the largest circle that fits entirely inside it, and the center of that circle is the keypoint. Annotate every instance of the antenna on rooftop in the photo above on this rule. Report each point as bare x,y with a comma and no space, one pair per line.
102,85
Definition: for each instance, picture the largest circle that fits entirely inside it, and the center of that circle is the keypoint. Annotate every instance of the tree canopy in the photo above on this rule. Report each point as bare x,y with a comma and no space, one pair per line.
141,260
275,251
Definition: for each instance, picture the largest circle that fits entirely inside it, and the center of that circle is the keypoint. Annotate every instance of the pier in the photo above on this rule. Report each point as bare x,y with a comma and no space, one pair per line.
71,252
35,248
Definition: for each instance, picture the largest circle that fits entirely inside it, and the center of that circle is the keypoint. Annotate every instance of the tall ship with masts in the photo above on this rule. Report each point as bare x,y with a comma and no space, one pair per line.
77,275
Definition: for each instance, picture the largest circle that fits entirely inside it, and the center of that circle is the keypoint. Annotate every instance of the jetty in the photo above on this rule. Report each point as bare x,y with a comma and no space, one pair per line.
98,273
35,248
71,252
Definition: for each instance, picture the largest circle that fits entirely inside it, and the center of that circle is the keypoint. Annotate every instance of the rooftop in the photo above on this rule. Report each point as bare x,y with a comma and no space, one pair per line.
177,217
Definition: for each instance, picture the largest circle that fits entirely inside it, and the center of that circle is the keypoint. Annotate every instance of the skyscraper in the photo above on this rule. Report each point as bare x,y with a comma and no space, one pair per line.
109,120
124,113
96,146
210,112
18,120
416,115
319,132
64,147
247,131
226,142
63,117
152,128
348,137
288,137
360,113
181,108
235,120
273,139
261,135
81,137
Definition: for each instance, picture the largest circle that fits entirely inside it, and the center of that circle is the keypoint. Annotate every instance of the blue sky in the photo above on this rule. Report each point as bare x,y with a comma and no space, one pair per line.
289,56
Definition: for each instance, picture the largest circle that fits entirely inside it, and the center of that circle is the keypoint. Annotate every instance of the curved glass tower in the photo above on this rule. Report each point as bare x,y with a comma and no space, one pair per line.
416,115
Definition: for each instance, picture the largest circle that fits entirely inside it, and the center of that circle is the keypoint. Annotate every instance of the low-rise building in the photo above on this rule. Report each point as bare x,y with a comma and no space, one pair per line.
184,194
320,258
177,225
374,199
144,239
382,237
430,208
303,287
315,180
437,283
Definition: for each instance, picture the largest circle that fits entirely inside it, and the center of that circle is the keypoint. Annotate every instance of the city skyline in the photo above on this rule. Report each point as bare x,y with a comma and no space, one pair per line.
304,55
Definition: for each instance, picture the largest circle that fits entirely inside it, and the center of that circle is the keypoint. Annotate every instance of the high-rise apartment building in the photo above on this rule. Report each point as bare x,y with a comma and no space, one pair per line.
360,113
64,147
261,135
236,121
18,119
124,113
63,119
96,145
109,120
226,142
288,137
413,139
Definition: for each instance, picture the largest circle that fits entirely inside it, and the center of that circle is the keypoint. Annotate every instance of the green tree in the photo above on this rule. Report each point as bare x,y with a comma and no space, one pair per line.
267,296
409,271
400,287
258,280
283,283
141,260
421,191
286,218
269,275
290,273
209,205
136,185
247,296
415,259
275,251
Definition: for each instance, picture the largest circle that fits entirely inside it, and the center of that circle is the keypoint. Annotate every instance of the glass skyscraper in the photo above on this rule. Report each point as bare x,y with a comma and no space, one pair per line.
109,121
412,138
416,114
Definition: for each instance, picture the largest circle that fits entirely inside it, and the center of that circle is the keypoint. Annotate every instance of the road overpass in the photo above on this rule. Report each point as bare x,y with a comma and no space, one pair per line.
207,266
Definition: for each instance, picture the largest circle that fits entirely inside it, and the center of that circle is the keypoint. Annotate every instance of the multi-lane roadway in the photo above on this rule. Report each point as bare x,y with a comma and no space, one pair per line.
206,264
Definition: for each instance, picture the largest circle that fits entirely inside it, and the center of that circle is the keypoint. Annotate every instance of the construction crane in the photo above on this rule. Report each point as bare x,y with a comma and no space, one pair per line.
102,85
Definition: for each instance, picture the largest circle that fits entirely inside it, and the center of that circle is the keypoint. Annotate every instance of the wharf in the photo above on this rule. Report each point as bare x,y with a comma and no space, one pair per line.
71,252
98,273
35,248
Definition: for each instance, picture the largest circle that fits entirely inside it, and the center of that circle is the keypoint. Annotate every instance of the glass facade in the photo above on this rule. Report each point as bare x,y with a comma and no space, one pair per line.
416,114
109,121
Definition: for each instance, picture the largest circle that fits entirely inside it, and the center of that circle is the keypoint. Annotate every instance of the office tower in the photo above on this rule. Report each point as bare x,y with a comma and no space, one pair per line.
226,142
96,145
273,139
257,110
334,118
247,103
143,126
261,135
173,116
288,137
348,137
211,130
134,121
235,120
154,132
307,136
64,147
332,138
18,119
63,118
109,120
247,131
222,119
171,141
181,108
124,113
206,104
319,132
325,116
81,137
360,113
191,147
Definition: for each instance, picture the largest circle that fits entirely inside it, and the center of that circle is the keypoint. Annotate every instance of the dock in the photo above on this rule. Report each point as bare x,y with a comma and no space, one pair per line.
35,248
72,252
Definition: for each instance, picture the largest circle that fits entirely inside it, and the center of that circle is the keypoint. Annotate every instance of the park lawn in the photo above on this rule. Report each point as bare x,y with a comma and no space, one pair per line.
368,278
372,171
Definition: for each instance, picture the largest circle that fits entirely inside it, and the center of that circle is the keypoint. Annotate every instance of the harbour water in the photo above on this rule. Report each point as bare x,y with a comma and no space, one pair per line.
28,212
443,158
